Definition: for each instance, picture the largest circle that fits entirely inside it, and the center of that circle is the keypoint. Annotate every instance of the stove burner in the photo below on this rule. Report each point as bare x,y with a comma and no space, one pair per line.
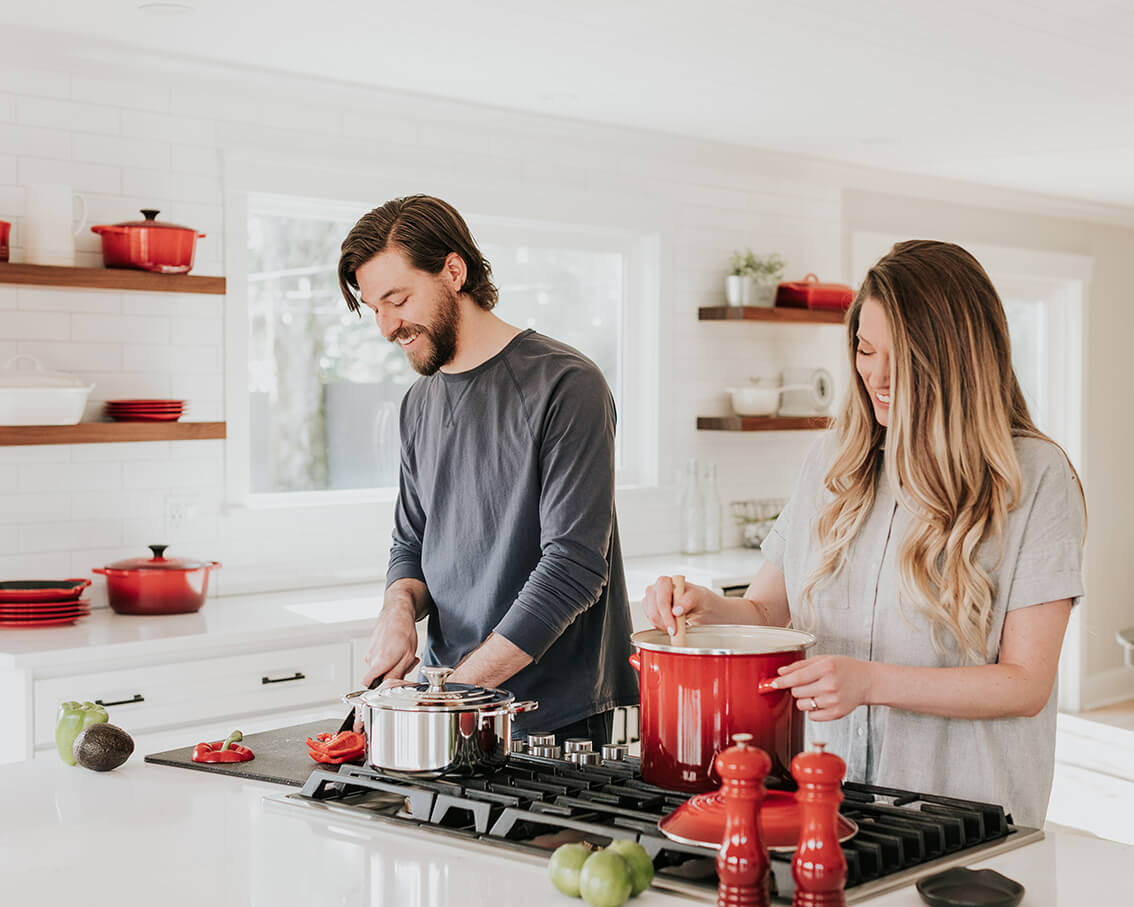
535,803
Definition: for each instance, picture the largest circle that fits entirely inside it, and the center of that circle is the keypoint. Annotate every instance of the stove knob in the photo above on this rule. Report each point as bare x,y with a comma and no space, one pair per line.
578,745
587,758
540,739
518,745
613,752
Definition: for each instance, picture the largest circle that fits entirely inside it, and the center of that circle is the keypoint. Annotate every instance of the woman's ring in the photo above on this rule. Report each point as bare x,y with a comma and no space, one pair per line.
814,704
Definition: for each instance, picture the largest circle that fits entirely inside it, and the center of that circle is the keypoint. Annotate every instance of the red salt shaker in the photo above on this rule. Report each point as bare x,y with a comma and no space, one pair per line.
742,862
819,867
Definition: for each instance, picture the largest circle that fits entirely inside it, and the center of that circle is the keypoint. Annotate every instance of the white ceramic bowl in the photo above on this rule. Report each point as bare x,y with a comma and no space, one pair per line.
755,400
33,395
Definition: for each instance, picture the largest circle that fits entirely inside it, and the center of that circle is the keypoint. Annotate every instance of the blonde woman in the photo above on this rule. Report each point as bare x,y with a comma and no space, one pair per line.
934,546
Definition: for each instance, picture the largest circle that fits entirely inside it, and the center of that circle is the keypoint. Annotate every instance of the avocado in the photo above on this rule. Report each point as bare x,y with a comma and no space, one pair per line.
102,747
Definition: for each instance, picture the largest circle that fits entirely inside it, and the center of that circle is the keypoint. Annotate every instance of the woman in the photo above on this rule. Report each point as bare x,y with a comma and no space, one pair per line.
934,546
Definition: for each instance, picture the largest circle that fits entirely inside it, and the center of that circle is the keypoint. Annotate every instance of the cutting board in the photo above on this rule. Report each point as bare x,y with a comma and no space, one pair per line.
281,755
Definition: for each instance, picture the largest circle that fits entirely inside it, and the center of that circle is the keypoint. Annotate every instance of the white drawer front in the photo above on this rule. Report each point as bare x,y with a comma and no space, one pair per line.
165,695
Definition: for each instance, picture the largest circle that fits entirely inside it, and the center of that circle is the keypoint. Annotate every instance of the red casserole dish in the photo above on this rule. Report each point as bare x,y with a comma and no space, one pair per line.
149,245
810,293
157,585
23,591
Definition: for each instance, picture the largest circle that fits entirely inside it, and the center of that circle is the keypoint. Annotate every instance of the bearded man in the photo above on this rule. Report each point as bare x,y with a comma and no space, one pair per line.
505,534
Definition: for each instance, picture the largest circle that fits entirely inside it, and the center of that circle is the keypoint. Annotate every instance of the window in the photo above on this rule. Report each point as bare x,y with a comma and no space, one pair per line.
325,386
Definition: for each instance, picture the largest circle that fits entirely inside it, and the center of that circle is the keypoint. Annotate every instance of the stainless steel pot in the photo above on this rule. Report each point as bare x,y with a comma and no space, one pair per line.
437,728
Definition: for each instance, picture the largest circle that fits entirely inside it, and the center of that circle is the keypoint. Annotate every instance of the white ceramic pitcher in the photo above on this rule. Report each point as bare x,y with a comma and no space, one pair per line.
50,226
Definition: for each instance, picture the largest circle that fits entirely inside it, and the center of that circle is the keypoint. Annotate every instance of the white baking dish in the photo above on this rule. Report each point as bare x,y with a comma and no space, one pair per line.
38,396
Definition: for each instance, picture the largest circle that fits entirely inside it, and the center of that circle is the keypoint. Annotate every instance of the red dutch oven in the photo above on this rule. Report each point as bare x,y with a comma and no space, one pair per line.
149,244
695,697
157,585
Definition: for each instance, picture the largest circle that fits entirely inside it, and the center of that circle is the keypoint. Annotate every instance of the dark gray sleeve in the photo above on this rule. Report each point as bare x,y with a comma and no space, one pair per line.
409,518
576,509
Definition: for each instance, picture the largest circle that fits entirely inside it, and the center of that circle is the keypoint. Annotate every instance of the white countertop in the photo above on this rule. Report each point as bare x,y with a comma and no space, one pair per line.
300,616
149,835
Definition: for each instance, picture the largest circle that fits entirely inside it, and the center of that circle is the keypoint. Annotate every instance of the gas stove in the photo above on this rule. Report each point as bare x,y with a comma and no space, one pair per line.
534,803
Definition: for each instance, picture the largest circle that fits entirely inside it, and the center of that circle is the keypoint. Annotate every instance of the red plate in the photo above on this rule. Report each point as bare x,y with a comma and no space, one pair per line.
23,591
128,417
47,622
700,820
145,402
44,610
144,409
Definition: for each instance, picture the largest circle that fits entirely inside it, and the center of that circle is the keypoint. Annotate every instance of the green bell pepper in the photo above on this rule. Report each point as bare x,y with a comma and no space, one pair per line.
71,718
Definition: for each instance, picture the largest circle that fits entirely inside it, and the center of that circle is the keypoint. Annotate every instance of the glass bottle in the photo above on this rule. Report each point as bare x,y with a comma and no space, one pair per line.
711,500
692,512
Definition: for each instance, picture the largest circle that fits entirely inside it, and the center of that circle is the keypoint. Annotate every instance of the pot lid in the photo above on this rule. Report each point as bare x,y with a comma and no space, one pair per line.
726,639
150,214
435,695
32,374
159,562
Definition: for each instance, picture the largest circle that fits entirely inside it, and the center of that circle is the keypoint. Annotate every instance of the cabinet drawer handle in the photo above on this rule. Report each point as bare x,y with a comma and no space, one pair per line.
298,675
137,697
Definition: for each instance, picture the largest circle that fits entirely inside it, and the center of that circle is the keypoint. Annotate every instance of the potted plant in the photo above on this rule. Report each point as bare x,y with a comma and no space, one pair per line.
752,279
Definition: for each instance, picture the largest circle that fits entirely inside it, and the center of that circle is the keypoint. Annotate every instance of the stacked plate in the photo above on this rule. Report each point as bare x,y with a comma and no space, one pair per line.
145,410
42,602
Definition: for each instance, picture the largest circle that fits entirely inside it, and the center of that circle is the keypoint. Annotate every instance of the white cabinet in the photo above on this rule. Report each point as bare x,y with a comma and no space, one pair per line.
151,696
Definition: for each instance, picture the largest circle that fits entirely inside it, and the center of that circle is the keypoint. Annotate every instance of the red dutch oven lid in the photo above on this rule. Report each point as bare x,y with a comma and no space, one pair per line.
160,562
150,223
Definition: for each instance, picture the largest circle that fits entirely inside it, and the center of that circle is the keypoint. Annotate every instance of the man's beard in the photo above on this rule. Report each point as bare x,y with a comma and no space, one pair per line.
441,335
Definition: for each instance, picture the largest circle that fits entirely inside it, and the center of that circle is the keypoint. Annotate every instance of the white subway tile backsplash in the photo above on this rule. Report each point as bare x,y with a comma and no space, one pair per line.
172,186
69,476
172,359
70,115
9,298
75,357
121,328
7,107
123,450
138,533
81,177
197,450
52,565
35,325
120,504
196,159
196,387
174,473
171,304
126,92
130,386
42,299
166,128
122,152
9,540
199,331
35,80
31,140
69,535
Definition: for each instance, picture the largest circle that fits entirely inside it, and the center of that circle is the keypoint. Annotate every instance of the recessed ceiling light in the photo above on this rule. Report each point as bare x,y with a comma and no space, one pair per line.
159,8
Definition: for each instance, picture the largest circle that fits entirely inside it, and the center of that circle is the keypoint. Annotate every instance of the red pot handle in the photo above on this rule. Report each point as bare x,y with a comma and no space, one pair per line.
765,686
635,662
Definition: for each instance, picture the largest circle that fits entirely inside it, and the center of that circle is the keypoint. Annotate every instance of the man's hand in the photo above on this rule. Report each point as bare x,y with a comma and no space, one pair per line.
392,651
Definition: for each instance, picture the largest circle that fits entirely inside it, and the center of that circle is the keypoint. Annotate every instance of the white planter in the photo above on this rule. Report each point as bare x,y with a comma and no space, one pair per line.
734,289
741,291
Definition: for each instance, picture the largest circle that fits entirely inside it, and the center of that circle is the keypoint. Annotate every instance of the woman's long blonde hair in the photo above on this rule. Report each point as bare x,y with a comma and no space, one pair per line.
955,406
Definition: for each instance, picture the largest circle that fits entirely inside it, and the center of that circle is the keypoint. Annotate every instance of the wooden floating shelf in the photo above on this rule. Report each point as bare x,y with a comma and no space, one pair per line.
109,432
758,313
762,423
109,279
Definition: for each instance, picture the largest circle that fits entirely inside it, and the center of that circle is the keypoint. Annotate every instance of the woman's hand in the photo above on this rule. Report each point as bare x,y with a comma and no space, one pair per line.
661,609
827,686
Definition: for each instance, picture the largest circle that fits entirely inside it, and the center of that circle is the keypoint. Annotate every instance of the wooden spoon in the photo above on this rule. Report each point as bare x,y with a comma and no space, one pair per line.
678,637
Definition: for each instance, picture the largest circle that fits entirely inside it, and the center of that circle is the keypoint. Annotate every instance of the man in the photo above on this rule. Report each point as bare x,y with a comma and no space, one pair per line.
504,532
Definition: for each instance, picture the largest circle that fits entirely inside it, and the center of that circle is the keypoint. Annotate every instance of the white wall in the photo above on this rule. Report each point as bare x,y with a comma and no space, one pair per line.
190,139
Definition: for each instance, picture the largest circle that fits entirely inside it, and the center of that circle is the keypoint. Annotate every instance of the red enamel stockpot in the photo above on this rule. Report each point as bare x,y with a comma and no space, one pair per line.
696,696
157,585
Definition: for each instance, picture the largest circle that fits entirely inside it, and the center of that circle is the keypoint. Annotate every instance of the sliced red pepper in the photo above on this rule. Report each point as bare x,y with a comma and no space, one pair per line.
346,746
212,752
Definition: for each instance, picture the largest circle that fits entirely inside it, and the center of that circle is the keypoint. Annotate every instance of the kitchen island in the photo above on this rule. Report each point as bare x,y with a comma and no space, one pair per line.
148,834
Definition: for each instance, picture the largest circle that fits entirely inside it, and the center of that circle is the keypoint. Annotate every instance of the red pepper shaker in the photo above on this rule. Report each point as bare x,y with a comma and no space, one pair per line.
819,867
742,862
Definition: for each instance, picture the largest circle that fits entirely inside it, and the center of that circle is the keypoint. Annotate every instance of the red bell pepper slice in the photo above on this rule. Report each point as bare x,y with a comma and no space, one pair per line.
346,746
212,752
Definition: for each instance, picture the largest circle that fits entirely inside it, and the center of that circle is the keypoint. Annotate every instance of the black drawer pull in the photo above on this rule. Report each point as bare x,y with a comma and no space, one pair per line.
298,675
138,697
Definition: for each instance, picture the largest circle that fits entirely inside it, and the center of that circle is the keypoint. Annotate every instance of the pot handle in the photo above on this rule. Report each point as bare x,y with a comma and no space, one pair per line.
635,662
524,705
765,686
101,570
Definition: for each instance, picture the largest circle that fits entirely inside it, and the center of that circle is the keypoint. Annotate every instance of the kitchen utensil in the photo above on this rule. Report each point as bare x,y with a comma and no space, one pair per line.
150,245
808,392
50,226
157,585
33,395
962,887
810,293
700,821
678,637
695,697
5,232
436,729
41,590
762,397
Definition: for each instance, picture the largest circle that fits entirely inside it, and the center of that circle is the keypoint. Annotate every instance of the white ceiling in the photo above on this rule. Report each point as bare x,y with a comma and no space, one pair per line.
1036,95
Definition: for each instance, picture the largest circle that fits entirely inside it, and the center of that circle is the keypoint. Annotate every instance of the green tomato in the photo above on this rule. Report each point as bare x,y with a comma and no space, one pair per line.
605,880
565,865
641,866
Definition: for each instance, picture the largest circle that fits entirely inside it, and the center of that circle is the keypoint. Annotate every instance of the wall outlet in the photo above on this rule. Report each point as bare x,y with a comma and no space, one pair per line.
180,510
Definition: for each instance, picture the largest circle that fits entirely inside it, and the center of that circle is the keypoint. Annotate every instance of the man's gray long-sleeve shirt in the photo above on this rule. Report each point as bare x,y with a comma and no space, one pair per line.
506,512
